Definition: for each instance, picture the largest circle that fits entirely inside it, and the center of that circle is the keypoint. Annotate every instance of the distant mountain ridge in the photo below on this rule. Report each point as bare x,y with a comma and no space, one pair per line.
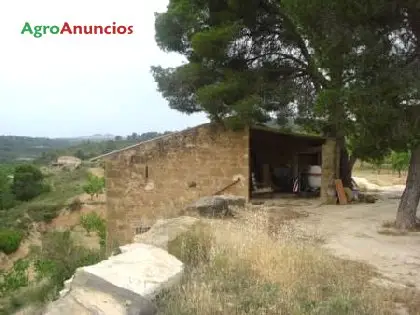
45,150
94,137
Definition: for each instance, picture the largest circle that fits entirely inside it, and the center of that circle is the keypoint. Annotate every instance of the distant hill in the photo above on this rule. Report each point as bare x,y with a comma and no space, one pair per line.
28,148
45,150
96,137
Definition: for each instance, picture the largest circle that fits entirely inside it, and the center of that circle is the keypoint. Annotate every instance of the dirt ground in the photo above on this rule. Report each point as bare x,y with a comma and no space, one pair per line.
383,178
351,232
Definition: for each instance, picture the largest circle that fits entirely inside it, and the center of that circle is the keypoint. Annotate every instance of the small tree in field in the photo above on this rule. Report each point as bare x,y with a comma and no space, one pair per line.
94,186
400,161
28,182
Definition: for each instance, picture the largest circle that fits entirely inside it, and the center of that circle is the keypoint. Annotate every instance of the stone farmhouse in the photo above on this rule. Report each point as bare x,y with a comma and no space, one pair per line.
159,177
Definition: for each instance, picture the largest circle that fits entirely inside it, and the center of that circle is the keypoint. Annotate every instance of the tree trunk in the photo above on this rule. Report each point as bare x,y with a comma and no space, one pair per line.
346,164
407,209
352,161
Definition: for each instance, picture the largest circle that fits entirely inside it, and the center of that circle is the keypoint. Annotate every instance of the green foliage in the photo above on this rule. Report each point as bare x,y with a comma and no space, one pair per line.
60,257
7,199
10,240
44,212
13,148
341,75
64,185
400,161
56,261
28,182
92,222
94,186
15,279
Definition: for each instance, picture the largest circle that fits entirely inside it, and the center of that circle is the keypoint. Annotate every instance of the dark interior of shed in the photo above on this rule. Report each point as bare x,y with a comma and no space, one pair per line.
279,162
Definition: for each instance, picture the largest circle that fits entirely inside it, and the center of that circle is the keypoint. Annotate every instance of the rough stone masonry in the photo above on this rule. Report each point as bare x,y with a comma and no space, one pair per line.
153,179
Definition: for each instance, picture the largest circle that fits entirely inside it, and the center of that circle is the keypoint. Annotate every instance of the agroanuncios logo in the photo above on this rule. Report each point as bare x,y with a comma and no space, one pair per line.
38,31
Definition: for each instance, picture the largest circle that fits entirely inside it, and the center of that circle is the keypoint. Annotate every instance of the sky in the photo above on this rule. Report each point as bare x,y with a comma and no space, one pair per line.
70,86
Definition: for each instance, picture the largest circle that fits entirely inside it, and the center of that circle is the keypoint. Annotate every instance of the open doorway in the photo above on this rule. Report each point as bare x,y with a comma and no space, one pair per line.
284,165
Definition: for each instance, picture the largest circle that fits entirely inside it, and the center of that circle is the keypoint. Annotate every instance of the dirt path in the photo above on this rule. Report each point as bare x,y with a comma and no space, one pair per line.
351,232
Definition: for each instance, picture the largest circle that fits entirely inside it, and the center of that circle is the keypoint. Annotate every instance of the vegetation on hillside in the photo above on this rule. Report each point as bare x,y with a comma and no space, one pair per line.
44,204
52,263
39,277
13,148
44,150
94,186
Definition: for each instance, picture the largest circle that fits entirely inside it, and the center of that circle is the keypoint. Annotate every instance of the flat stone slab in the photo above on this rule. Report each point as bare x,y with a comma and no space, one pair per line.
123,284
143,269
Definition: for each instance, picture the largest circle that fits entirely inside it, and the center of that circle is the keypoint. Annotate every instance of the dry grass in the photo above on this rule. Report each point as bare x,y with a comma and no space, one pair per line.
238,269
384,178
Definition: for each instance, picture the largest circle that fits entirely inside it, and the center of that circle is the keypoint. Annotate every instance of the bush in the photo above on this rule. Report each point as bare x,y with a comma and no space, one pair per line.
10,241
56,261
14,279
92,222
94,186
7,199
400,161
60,257
27,182
44,213
75,205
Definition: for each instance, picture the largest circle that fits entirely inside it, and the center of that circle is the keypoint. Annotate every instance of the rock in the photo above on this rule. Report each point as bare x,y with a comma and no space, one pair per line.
370,199
210,206
233,200
367,198
164,231
85,301
214,206
123,284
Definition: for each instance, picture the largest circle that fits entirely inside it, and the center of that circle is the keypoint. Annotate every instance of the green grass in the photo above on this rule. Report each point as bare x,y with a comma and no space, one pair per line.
92,222
64,185
54,262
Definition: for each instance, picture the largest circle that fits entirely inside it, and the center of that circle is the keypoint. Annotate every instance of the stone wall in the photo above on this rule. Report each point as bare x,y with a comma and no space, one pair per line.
157,178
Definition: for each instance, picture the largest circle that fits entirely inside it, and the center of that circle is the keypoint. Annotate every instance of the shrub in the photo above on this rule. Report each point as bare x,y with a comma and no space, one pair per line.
400,161
92,222
10,240
7,199
56,261
60,257
27,182
15,278
75,205
94,186
44,213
